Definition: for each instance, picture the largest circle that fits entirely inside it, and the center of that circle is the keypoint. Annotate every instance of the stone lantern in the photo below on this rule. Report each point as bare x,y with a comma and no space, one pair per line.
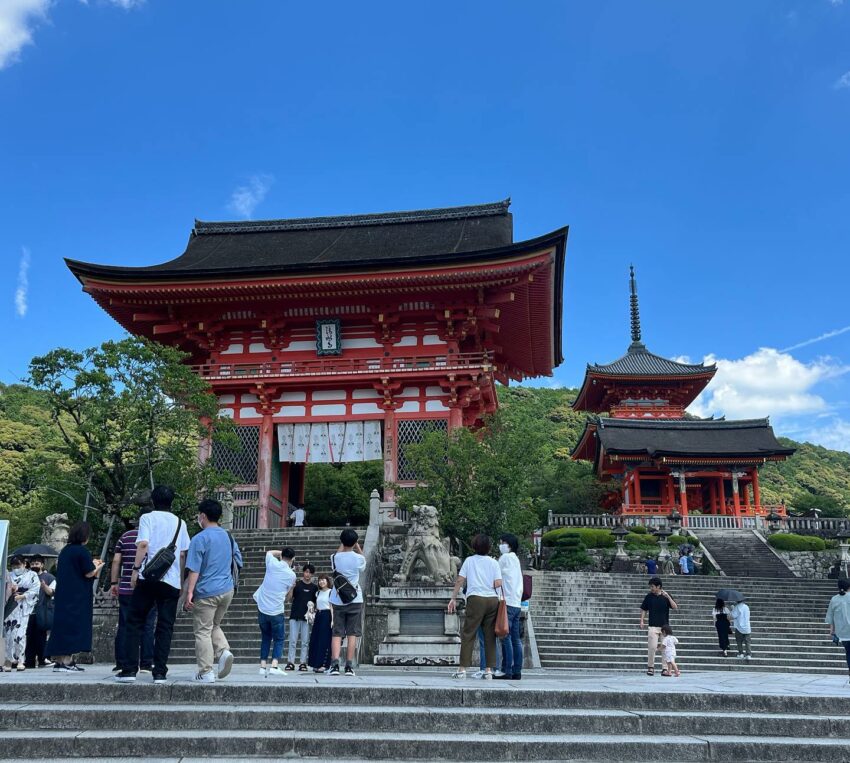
774,521
662,533
675,521
843,538
620,533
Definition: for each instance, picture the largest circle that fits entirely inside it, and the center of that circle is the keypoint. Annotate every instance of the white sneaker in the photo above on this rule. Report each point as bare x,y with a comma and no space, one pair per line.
478,674
276,672
225,663
497,674
740,656
205,678
487,676
748,657
264,672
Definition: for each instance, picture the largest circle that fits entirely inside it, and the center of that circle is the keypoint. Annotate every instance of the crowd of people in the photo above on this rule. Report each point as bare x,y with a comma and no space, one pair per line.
157,569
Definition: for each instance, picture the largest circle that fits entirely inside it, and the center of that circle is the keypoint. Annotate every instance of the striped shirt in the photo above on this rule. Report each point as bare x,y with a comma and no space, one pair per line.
126,546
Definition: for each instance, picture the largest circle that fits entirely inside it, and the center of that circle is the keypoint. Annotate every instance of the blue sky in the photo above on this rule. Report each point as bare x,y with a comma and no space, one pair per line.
707,143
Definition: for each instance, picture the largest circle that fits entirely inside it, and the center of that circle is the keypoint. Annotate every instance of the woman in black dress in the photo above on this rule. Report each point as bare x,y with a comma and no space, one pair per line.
722,625
319,657
72,614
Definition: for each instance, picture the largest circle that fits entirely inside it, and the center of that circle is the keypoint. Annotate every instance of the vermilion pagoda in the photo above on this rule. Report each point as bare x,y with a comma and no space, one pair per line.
662,459
339,339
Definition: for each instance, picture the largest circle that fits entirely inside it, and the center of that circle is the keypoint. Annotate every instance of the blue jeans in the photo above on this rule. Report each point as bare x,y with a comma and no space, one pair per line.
512,644
273,630
482,659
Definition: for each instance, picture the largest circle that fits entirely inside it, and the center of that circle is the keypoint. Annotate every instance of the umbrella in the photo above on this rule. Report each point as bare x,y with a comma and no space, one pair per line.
730,595
31,549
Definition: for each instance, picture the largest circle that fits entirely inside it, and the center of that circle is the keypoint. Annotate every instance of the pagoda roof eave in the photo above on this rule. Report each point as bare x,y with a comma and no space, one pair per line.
585,399
145,275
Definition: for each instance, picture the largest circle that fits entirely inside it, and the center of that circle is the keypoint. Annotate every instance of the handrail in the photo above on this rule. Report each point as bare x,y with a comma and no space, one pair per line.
342,366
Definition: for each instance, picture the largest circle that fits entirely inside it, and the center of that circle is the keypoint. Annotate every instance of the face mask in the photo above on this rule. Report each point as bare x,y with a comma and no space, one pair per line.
504,548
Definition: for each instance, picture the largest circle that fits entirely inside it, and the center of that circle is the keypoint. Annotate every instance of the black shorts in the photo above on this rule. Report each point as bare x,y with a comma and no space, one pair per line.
348,619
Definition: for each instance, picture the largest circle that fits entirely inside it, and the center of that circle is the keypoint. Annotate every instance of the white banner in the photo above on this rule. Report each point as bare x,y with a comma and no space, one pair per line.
326,443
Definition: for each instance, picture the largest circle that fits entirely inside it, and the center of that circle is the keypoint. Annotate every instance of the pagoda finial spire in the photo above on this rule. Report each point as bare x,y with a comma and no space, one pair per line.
633,305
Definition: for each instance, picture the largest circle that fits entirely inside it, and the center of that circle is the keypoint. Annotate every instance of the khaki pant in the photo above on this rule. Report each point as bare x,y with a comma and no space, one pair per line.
210,641
653,638
742,641
480,611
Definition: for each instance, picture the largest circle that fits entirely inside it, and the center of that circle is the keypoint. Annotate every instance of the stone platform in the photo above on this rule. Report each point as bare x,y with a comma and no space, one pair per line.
421,714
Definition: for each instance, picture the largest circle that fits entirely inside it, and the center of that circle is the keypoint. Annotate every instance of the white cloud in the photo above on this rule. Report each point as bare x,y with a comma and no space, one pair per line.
836,2
768,382
246,198
843,82
22,290
18,18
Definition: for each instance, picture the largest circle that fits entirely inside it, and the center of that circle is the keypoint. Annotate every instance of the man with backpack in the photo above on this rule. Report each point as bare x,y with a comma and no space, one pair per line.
161,547
213,562
347,600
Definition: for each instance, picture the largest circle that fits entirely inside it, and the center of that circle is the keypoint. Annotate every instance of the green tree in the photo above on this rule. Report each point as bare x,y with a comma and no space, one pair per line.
130,414
482,481
335,494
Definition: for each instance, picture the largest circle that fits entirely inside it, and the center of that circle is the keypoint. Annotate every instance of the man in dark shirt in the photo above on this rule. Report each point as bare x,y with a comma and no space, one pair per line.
122,571
657,604
303,592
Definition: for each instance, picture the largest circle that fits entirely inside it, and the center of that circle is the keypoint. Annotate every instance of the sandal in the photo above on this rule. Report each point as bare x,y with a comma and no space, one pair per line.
650,671
460,674
666,673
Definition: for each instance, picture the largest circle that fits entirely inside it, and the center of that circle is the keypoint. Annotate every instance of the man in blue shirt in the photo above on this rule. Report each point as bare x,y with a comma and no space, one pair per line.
213,554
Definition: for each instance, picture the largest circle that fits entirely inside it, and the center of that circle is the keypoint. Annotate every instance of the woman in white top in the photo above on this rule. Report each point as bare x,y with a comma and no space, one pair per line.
319,657
838,617
483,578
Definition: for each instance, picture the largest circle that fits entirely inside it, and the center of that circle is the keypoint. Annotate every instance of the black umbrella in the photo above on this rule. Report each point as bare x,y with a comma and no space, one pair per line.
31,549
730,595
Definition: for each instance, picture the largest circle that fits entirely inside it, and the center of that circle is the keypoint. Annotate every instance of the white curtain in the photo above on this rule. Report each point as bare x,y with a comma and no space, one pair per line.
337,442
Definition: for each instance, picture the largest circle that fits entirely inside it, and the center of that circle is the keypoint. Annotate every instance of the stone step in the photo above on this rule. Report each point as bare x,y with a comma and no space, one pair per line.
519,721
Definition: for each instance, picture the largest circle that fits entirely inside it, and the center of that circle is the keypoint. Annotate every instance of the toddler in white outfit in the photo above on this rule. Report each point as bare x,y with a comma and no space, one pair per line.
668,644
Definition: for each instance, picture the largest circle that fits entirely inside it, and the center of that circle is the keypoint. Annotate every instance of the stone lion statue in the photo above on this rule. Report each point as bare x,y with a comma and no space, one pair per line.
54,531
425,546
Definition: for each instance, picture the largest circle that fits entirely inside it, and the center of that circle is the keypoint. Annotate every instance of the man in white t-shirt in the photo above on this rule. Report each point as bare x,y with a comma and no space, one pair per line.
349,562
512,586
271,601
157,529
298,517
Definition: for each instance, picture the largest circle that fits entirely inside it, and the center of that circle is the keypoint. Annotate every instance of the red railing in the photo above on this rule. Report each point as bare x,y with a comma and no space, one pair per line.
343,366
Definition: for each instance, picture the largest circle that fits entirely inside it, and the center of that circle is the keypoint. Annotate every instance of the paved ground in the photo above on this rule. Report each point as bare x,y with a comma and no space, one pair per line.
788,684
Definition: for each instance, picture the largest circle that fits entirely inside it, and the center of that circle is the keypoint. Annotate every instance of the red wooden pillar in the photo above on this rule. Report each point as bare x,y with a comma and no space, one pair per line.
636,481
712,495
455,416
721,494
756,491
671,491
389,452
264,467
285,477
204,444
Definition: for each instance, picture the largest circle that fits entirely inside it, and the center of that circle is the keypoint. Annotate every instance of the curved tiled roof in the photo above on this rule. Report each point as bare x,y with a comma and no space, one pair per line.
749,437
639,361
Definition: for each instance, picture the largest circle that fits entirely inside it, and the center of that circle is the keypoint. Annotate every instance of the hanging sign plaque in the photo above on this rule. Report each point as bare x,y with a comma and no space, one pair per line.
328,337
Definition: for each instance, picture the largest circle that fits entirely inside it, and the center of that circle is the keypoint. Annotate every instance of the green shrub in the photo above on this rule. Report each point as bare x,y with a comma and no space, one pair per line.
678,540
570,555
638,539
639,530
791,542
592,537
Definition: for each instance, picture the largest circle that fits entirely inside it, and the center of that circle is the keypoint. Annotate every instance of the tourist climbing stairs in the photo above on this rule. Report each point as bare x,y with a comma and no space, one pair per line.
311,544
586,620
743,553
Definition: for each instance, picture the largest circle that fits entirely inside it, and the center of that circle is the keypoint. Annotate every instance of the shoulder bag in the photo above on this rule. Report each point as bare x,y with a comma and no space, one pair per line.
346,592
502,627
234,568
160,563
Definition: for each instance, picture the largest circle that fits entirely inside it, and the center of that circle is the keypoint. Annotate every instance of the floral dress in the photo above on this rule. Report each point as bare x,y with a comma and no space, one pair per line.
15,625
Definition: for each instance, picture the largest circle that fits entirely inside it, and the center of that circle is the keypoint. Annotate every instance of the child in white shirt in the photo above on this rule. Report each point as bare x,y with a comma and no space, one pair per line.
668,643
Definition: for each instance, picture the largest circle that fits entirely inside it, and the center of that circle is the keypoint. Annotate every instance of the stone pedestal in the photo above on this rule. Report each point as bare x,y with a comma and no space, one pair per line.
419,630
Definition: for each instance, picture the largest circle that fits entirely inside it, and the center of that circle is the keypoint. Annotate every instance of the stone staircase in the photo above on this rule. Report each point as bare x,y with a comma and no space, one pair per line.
311,544
742,553
414,719
590,620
